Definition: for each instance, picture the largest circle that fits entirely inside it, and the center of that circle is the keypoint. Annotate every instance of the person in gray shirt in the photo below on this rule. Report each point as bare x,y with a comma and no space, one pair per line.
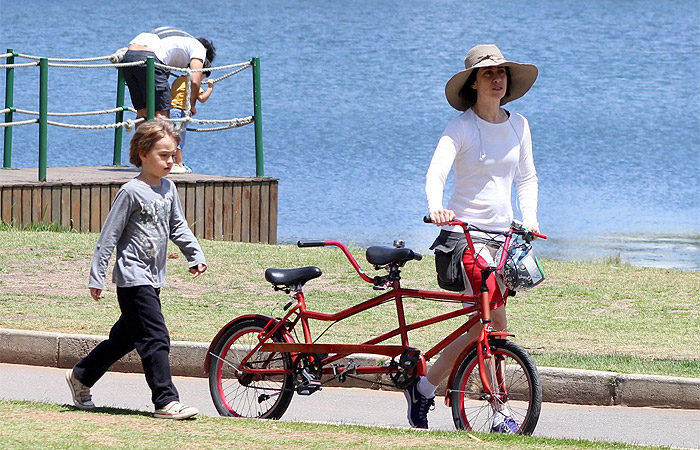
145,215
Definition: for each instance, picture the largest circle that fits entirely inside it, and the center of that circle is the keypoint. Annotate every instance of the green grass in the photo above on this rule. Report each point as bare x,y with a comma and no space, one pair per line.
28,425
585,315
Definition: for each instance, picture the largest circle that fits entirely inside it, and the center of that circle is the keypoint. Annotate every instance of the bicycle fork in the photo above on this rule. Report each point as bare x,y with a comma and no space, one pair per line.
491,369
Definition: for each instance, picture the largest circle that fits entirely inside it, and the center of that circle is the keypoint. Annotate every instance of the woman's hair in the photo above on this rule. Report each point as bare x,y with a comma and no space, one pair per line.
146,136
468,93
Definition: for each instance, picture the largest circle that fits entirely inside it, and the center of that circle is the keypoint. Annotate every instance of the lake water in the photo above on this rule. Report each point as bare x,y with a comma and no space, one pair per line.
353,105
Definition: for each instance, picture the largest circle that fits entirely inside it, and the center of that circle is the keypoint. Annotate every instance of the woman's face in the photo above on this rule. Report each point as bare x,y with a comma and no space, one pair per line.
491,82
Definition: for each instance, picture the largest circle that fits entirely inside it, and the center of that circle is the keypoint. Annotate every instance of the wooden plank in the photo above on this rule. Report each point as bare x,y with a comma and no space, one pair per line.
95,208
218,211
190,205
255,212
26,205
264,212
7,205
36,204
45,204
227,212
236,210
105,202
208,210
75,207
113,189
2,204
85,208
199,210
181,194
16,213
65,206
272,228
245,212
56,205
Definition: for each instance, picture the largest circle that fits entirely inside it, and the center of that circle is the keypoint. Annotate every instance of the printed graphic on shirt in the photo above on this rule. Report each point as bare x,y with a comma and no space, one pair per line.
155,211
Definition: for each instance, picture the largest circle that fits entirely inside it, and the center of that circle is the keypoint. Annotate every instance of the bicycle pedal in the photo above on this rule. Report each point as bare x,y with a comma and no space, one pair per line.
308,387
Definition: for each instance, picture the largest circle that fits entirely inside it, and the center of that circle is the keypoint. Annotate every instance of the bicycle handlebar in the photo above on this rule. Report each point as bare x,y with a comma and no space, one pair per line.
514,228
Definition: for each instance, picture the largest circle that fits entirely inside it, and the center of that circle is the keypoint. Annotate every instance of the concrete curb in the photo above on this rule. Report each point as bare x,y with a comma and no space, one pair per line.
583,387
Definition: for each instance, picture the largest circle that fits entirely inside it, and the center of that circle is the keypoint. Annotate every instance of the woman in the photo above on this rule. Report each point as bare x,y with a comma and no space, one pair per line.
488,148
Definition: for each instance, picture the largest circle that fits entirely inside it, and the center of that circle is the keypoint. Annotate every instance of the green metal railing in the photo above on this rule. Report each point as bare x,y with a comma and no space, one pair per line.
9,104
119,115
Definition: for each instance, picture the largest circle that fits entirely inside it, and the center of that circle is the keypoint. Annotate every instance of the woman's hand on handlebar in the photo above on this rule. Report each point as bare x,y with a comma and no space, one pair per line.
532,227
442,217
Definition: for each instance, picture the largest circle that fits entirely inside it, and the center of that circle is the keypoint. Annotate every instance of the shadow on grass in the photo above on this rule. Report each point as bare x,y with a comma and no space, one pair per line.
108,410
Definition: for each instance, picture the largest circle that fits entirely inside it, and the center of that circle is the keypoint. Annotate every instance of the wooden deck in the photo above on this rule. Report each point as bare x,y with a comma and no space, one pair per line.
242,209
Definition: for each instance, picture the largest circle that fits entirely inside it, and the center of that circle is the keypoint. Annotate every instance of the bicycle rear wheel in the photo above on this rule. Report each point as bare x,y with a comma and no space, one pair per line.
515,382
240,394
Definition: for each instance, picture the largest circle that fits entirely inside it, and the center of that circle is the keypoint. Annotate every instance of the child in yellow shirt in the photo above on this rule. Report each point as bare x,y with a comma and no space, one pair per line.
178,93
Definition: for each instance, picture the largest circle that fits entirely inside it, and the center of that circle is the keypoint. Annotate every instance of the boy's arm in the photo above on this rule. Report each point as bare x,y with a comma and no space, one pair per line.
182,236
204,96
111,232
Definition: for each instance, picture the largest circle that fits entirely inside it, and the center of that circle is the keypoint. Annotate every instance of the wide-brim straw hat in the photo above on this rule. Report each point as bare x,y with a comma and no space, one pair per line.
522,75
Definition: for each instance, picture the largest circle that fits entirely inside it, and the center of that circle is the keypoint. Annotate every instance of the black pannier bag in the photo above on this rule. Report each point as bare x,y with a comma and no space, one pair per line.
449,247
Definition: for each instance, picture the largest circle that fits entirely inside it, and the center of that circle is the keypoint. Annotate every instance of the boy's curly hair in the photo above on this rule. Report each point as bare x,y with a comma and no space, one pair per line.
146,136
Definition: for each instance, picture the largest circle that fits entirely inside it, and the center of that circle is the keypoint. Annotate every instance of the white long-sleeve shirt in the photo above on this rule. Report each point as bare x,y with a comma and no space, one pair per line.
486,159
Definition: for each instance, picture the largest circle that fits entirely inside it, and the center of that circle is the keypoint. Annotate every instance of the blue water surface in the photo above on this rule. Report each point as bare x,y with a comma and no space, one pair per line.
353,105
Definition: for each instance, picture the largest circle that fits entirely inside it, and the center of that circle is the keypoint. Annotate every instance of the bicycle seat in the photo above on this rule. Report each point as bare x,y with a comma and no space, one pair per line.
380,255
292,276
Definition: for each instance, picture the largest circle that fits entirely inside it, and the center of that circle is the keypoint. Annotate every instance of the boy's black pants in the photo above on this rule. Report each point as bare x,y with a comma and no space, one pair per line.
141,326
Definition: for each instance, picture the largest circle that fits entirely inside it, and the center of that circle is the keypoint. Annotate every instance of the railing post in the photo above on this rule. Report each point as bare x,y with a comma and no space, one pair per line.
150,88
43,115
119,118
9,103
257,117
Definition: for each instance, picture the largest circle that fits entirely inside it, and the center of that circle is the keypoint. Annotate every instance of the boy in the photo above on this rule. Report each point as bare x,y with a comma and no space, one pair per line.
146,212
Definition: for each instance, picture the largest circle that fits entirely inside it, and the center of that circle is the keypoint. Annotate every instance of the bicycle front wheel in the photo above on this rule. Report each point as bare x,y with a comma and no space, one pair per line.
514,381
240,394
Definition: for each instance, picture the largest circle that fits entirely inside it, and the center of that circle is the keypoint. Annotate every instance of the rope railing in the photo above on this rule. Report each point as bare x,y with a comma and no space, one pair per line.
85,113
12,66
21,122
119,123
128,124
96,58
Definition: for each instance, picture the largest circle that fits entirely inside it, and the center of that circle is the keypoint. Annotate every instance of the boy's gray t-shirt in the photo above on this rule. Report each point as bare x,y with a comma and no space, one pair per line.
141,221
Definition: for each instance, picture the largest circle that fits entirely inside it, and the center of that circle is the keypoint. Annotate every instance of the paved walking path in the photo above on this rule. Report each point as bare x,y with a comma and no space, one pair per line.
583,387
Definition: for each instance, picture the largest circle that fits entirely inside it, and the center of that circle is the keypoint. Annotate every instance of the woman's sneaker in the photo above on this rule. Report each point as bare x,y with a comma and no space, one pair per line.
81,393
503,423
418,406
175,410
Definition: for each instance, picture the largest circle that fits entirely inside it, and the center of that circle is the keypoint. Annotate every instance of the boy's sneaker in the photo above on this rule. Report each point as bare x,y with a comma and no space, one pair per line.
418,406
503,423
175,410
81,393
